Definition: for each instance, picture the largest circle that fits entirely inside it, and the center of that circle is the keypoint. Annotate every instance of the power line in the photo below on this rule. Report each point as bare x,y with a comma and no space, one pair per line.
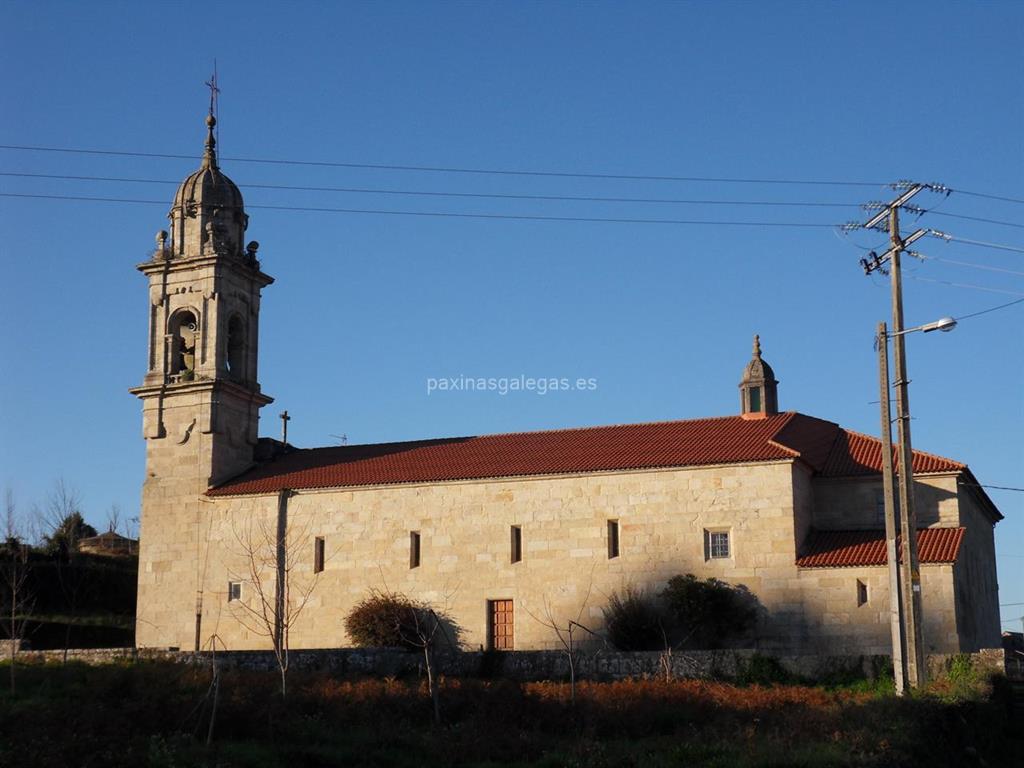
496,196
973,218
989,197
971,264
367,190
979,485
991,309
453,169
497,171
500,216
964,285
953,238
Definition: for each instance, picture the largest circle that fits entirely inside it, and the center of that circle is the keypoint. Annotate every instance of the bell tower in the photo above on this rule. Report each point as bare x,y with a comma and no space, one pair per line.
759,397
200,395
204,304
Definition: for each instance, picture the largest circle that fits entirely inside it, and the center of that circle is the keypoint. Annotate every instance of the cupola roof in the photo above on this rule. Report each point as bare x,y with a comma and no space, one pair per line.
758,369
209,186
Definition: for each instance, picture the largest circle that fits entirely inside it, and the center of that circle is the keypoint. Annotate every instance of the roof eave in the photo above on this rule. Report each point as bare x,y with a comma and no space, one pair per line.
217,493
983,498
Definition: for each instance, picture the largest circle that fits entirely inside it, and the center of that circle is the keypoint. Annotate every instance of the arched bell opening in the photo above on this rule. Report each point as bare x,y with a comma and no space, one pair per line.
183,331
235,349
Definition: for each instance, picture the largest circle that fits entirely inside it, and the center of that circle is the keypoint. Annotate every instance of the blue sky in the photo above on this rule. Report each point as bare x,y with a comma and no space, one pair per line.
368,307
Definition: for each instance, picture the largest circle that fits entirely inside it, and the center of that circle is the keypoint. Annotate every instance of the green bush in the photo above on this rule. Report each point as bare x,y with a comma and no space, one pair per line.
964,681
634,621
764,670
705,613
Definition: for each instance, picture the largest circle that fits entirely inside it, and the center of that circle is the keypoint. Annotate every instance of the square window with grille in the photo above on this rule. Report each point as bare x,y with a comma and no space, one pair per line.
718,545
234,591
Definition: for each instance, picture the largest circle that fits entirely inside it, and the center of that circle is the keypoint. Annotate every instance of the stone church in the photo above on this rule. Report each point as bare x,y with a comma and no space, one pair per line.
505,531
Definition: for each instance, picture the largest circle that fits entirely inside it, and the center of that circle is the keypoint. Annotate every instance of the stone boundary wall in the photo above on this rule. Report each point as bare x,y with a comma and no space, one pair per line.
529,665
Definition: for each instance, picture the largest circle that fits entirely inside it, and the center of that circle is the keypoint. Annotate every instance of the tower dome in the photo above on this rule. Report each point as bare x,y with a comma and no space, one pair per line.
758,389
208,214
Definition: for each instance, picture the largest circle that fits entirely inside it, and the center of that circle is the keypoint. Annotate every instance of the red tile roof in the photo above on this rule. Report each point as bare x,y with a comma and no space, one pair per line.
847,549
822,445
855,454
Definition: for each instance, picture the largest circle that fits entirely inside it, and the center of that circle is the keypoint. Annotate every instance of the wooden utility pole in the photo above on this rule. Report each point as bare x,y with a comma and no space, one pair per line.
899,669
911,573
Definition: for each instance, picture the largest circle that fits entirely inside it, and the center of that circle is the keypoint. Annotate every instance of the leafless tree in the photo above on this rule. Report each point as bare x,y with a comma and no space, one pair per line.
63,502
14,573
114,518
387,618
568,633
279,585
63,517
423,630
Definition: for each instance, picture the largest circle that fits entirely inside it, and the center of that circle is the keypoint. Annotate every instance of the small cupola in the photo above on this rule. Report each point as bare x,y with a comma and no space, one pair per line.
208,215
759,396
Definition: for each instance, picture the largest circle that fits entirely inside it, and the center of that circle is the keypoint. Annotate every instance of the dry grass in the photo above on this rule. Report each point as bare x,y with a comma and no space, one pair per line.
157,714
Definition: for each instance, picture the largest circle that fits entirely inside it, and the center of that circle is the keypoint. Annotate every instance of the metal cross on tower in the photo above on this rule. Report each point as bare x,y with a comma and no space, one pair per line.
214,90
285,418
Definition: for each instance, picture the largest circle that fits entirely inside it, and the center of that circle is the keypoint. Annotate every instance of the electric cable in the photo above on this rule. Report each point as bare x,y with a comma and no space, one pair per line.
442,214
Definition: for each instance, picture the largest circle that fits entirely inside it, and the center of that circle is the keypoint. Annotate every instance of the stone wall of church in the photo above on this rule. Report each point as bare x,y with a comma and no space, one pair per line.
565,572
976,584
837,621
845,504
464,527
176,516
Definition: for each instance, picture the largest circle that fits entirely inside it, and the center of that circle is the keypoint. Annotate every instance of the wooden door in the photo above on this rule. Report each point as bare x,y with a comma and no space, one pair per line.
501,622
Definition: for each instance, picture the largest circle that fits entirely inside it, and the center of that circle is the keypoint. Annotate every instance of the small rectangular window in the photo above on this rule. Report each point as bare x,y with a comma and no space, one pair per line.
862,592
613,539
318,554
717,543
755,400
414,549
234,591
517,543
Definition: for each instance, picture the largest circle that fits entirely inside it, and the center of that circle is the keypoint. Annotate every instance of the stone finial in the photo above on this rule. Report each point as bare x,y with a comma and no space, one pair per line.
162,251
757,346
210,155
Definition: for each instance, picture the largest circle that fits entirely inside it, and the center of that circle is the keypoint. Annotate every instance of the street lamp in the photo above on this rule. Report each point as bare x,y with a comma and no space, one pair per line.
904,593
944,324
